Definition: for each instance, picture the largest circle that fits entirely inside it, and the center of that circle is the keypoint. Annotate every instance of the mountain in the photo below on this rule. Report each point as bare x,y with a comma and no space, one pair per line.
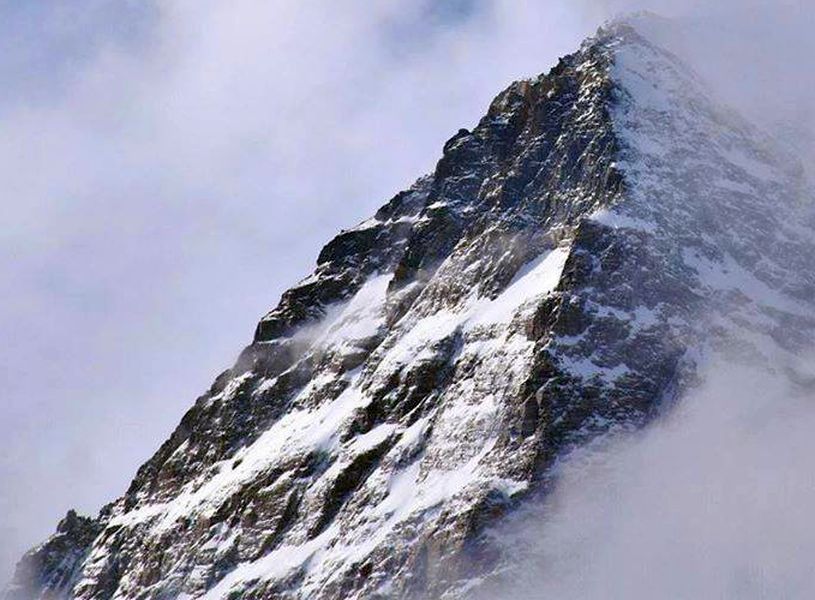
563,274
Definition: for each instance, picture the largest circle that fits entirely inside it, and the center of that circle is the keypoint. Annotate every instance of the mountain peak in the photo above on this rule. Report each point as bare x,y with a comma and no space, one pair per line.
559,276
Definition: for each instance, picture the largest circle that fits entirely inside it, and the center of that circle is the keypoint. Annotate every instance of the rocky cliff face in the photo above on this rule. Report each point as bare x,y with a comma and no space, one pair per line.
561,275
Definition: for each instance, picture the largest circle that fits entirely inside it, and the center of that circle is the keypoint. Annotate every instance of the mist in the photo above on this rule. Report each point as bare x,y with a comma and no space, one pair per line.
751,53
171,167
713,501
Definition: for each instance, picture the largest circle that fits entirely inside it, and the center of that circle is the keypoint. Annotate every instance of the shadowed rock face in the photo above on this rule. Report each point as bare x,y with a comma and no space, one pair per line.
50,569
559,276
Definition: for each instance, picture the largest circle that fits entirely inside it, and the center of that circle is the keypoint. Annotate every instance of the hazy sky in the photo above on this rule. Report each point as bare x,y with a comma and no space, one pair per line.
170,167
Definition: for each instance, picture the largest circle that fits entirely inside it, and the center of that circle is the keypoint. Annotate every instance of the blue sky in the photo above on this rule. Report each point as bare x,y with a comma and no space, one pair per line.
169,168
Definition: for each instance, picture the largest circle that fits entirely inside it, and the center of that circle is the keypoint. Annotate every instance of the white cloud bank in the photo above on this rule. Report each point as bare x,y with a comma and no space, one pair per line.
713,502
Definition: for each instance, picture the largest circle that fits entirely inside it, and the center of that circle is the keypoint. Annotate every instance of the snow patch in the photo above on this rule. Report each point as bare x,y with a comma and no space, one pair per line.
361,317
535,279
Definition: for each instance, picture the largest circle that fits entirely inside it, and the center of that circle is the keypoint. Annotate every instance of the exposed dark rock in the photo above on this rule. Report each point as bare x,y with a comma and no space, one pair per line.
52,567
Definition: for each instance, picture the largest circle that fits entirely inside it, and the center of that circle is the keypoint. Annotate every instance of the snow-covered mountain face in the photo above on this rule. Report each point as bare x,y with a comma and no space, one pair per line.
604,231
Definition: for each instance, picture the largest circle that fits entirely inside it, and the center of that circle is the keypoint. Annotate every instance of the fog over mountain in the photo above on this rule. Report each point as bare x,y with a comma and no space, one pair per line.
172,167
712,502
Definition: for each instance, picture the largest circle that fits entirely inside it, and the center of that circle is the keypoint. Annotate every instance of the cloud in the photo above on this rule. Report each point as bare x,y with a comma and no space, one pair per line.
713,502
